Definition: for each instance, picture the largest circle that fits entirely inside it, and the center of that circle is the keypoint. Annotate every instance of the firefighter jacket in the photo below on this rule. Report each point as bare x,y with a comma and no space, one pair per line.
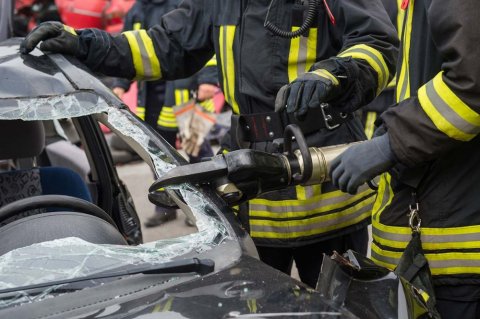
253,64
434,134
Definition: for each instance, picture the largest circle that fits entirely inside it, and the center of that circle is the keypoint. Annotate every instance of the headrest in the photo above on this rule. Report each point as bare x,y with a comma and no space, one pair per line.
21,139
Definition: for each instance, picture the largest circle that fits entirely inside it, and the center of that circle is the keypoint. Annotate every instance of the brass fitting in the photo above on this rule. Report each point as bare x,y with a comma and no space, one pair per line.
322,157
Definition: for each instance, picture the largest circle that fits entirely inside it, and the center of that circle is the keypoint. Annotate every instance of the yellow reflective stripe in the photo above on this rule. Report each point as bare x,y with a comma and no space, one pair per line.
305,192
252,305
137,26
167,117
400,18
302,54
135,49
374,59
181,96
212,61
208,105
145,61
69,29
441,263
227,35
370,124
140,112
327,75
154,63
296,208
311,226
465,237
392,83
403,84
185,95
447,111
384,196
311,48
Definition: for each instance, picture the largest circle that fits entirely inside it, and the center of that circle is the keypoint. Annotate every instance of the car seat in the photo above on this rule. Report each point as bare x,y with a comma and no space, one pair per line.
25,139
21,139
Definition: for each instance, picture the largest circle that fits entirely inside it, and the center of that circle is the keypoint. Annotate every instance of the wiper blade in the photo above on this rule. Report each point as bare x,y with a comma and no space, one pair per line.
193,265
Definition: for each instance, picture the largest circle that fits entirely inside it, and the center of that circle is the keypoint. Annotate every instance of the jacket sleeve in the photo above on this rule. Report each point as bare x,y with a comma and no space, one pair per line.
177,47
209,74
446,110
127,26
369,39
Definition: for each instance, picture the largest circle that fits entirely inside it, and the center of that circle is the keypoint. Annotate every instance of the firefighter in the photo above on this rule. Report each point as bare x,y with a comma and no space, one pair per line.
341,52
432,149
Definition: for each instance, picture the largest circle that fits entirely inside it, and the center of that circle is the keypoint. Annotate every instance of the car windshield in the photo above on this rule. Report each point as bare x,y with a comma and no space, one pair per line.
72,257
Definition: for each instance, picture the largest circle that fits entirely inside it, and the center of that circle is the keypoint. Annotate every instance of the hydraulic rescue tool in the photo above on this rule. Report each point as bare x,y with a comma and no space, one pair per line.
245,174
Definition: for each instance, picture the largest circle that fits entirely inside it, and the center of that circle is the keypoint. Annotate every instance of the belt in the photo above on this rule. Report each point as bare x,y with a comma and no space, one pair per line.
267,127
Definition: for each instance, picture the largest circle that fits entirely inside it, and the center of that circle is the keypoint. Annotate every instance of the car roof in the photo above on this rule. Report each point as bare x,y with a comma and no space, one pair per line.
48,79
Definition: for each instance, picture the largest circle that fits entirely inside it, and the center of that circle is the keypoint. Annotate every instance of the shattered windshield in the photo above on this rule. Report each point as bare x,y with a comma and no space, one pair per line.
72,257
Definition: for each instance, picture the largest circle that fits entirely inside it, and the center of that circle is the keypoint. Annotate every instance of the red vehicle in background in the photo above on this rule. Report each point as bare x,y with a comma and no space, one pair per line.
102,14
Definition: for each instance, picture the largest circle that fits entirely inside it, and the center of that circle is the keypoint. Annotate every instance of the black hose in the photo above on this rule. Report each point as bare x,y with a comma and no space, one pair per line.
306,25
292,130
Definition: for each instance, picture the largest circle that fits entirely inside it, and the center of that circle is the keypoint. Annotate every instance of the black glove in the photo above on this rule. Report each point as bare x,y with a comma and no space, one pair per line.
308,91
56,37
361,163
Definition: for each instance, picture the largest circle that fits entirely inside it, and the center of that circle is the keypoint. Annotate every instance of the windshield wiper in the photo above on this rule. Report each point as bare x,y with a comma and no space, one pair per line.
193,265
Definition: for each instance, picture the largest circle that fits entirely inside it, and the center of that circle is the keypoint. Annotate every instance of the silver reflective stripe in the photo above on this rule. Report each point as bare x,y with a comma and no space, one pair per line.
434,263
457,238
302,56
287,228
147,67
385,259
384,76
404,85
309,191
307,207
448,113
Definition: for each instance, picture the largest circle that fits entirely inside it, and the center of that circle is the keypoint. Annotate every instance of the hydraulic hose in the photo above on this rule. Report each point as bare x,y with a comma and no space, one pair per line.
306,25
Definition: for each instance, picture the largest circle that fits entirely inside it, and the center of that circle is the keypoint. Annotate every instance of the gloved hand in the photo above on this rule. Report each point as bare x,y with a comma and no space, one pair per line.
56,37
308,91
361,163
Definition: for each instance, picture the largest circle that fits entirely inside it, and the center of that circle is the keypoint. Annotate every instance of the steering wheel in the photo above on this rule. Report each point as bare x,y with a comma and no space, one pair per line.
54,201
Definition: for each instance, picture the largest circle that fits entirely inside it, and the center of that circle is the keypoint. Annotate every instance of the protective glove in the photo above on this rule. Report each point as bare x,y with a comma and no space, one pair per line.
308,91
361,163
56,37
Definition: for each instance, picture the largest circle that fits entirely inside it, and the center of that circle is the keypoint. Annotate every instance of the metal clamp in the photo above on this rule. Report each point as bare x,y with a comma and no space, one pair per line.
327,118
414,220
